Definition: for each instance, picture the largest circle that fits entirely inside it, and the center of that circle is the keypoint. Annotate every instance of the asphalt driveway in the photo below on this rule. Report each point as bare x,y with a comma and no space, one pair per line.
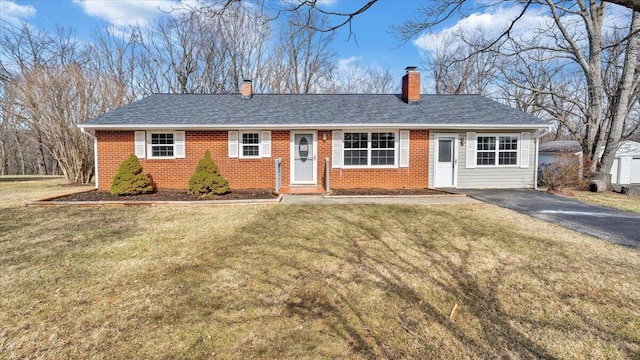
617,226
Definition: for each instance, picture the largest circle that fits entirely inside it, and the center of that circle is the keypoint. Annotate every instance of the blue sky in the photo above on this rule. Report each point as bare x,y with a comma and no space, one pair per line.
373,45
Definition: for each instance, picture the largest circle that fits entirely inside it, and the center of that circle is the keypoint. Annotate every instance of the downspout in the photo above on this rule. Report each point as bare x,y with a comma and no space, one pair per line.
95,154
535,170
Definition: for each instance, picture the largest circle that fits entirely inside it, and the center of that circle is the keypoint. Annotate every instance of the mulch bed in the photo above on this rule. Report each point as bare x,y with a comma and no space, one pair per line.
170,195
374,192
249,194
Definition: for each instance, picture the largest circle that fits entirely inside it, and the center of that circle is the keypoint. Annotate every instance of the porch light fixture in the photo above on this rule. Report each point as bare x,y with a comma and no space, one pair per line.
462,141
324,136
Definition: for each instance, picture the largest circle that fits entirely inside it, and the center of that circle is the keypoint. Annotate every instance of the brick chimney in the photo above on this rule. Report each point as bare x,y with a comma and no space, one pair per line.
247,89
411,85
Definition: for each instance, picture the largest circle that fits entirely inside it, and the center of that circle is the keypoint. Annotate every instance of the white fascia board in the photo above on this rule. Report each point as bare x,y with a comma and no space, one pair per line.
312,126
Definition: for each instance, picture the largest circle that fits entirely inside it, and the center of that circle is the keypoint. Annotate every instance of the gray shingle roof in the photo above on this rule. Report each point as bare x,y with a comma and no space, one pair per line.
312,110
560,146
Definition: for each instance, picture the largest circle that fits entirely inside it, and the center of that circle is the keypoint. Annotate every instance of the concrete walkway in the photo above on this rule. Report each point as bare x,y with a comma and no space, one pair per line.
366,200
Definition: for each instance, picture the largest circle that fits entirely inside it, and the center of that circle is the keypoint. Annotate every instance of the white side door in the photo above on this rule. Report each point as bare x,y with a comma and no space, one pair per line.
445,160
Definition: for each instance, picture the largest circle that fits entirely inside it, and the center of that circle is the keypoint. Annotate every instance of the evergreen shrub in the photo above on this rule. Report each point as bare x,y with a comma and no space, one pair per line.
130,180
207,180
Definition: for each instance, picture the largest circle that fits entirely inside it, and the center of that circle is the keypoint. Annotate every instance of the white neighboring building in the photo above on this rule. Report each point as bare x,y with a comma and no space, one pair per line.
554,151
626,165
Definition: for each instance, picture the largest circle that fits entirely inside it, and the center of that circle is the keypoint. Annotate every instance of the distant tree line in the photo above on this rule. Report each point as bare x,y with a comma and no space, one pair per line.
50,81
573,70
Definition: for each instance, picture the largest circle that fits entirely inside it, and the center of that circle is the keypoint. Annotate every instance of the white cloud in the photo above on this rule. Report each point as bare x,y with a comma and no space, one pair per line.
127,12
349,64
327,2
493,22
13,13
497,19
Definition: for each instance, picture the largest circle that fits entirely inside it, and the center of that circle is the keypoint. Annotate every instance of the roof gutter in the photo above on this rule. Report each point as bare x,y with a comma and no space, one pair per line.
129,127
95,153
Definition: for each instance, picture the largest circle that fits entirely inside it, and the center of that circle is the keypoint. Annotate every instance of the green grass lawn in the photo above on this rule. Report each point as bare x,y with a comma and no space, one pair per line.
307,282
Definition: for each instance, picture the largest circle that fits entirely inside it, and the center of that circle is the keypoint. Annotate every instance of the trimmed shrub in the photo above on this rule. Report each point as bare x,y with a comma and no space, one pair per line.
207,180
130,180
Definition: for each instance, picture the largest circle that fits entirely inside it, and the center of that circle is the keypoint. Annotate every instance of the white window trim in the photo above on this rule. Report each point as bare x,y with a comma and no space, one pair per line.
241,145
396,149
150,145
497,150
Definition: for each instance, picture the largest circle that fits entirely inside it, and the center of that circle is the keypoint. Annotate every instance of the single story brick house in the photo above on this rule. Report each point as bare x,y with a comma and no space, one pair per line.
410,140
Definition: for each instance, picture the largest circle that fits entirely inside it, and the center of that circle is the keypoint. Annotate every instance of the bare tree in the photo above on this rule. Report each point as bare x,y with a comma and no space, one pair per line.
581,60
301,59
172,49
52,89
458,67
53,100
566,66
356,78
429,13
622,99
194,52
24,48
118,55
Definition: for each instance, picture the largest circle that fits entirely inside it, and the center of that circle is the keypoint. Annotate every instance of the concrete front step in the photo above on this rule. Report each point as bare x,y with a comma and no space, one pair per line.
302,190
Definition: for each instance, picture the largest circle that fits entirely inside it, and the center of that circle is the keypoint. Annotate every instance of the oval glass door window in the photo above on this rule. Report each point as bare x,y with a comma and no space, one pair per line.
303,149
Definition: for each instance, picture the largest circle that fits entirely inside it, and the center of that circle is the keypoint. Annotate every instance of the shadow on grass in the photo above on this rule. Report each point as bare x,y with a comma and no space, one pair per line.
303,281
46,235
277,257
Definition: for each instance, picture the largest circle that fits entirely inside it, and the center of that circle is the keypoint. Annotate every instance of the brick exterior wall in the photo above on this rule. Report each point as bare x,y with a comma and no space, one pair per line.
115,146
413,177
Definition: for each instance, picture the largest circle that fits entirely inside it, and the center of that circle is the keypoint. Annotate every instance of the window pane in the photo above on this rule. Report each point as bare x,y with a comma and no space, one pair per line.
444,150
384,140
162,139
251,138
508,158
382,157
162,151
355,157
508,143
250,150
486,158
486,143
355,140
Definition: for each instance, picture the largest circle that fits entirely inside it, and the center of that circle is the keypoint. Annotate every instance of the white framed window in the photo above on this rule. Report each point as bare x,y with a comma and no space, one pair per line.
383,148
370,149
497,150
161,145
250,144
356,149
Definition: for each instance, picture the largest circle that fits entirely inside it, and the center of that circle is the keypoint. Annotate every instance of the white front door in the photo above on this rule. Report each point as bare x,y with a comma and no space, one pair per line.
445,159
303,158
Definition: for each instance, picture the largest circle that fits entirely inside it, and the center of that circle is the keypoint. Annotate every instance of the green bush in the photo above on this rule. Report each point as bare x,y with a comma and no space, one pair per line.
207,180
130,180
